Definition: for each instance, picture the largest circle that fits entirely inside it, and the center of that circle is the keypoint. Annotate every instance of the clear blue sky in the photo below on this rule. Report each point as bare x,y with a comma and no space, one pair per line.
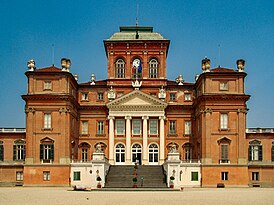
244,29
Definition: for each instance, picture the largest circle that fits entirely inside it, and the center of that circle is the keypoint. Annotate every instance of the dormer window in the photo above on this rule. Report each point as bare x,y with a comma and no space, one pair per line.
85,96
120,68
172,96
187,96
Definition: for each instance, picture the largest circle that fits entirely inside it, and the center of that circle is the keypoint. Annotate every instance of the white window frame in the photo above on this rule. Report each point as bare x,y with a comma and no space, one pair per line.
224,121
172,127
20,150
153,154
136,127
46,175
100,96
120,122
100,127
120,68
152,123
188,97
84,96
224,176
19,176
153,68
223,85
188,127
84,155
47,85
47,120
255,176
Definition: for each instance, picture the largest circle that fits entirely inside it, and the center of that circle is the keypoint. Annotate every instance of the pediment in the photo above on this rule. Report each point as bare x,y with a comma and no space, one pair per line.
136,99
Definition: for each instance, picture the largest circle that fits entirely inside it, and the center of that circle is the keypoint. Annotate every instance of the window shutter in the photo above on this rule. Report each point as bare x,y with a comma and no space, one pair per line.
249,154
1,152
224,152
14,152
260,153
272,153
41,151
51,152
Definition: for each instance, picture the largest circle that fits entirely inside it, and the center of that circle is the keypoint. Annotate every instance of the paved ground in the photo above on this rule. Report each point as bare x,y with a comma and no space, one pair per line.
54,196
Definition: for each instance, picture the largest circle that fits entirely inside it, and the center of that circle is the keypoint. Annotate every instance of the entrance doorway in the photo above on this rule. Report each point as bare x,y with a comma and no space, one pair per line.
120,154
137,154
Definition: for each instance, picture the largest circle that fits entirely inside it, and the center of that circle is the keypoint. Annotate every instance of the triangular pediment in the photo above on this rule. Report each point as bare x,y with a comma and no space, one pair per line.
136,99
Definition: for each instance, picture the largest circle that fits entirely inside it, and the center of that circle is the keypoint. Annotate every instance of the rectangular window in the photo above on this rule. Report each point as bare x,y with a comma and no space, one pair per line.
255,176
224,176
84,155
224,153
84,96
1,152
136,127
187,96
47,120
76,176
194,176
19,176
172,96
224,85
100,96
84,127
100,127
255,153
187,127
120,127
46,153
46,176
187,153
153,127
224,121
47,85
19,152
172,127
272,153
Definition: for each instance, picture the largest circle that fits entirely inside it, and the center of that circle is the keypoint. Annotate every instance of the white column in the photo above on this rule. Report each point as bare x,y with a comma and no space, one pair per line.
145,153
111,140
162,139
128,140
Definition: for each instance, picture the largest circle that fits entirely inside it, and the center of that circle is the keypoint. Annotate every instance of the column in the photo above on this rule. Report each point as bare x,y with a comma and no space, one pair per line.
162,139
128,140
145,153
111,140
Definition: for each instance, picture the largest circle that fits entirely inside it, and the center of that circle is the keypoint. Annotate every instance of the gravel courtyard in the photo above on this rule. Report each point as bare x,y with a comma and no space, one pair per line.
43,196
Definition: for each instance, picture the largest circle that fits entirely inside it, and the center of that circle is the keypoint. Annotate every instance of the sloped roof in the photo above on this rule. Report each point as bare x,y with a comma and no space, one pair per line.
48,69
129,33
219,69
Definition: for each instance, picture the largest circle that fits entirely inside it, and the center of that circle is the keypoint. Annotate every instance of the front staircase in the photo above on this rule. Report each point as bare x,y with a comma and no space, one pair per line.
120,176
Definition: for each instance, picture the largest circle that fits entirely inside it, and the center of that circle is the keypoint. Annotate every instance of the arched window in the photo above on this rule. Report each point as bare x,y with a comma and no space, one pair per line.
137,153
153,153
153,68
19,150
120,153
120,68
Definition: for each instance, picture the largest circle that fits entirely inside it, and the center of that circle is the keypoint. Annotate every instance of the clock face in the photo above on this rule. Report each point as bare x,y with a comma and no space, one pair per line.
136,63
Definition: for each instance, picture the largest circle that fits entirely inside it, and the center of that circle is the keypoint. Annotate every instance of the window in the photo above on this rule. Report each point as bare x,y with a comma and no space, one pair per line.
136,127
100,96
19,150
84,155
187,96
187,127
136,153
255,176
272,152
153,153
153,68
100,127
120,153
172,96
47,85
194,176
46,176
224,176
46,152
47,120
84,96
224,153
1,151
255,151
188,149
172,127
120,68
84,127
77,176
19,176
153,127
224,85
120,127
224,121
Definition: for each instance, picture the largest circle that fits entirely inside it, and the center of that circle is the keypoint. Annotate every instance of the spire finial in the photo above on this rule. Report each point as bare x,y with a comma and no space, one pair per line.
137,35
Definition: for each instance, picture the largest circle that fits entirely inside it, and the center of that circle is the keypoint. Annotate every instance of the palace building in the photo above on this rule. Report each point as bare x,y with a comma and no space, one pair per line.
193,131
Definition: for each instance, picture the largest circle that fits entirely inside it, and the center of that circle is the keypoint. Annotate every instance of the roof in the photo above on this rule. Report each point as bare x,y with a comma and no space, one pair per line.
48,69
219,69
129,33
